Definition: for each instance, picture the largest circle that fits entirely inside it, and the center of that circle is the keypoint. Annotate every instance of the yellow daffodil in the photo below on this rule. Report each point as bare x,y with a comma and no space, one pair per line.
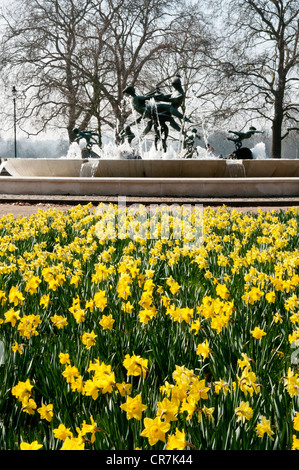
107,322
203,349
222,291
64,358
270,297
174,286
73,443
264,427
134,407
221,386
296,422
258,333
15,296
22,390
59,321
33,446
244,412
100,300
291,383
62,432
135,365
176,441
12,316
168,409
90,428
46,412
295,442
89,339
29,406
69,373
155,430
18,348
124,388
45,300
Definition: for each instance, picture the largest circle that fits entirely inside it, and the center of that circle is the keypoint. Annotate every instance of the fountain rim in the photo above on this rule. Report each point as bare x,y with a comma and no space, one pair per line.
79,159
151,168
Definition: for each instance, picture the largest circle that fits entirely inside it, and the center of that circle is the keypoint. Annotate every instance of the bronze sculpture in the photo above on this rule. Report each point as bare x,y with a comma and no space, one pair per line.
160,110
176,98
243,135
126,135
190,143
89,136
242,153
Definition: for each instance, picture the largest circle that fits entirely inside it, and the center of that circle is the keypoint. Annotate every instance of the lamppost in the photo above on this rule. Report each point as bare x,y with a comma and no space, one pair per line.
14,92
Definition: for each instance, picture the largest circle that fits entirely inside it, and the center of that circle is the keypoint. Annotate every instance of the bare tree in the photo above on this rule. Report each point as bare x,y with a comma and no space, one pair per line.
72,59
173,37
190,46
39,49
259,62
140,32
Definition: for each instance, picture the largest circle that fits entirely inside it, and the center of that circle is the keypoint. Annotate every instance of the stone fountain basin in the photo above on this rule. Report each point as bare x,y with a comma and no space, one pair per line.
285,168
194,168
102,168
67,167
44,167
157,168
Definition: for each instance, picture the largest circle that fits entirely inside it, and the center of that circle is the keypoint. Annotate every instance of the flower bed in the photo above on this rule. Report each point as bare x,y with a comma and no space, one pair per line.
132,342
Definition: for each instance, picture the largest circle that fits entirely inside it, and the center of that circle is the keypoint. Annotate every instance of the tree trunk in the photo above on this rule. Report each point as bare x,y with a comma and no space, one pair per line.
276,133
278,117
99,130
71,135
279,100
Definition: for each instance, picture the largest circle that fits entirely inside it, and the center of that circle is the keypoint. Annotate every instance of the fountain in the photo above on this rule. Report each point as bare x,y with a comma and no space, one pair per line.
136,170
